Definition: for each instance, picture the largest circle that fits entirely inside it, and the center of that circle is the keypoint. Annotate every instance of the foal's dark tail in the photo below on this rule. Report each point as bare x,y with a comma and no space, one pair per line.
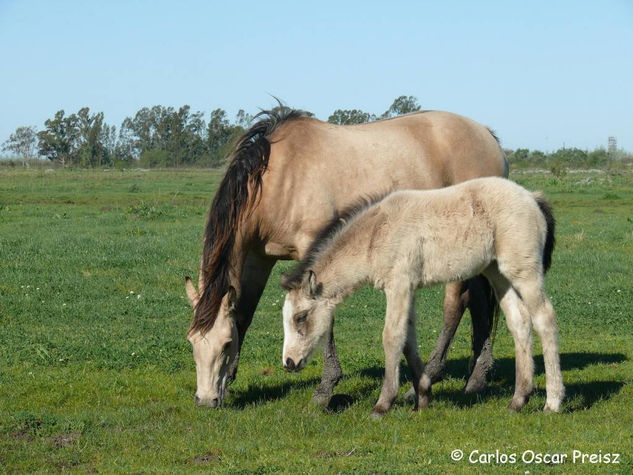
550,239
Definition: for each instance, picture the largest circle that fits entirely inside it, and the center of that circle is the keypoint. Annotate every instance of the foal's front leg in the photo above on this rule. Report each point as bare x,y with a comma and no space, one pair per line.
394,336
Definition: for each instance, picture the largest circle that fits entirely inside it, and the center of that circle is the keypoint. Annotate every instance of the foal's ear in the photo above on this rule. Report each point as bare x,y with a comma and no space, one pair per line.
312,284
285,282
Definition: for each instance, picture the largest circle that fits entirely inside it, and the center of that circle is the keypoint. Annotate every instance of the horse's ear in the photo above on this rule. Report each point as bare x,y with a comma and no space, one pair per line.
231,298
312,282
192,293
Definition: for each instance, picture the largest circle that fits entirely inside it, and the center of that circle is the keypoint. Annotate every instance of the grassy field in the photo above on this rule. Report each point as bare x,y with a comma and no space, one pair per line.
96,373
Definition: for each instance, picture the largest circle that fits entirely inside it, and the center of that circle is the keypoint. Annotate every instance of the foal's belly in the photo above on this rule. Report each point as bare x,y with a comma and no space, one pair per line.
455,264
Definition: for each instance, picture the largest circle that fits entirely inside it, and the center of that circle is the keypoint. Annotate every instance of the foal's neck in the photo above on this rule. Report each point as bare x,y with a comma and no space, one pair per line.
344,266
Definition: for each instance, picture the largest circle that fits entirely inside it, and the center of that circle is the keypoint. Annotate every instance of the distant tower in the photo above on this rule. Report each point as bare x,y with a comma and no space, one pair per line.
612,147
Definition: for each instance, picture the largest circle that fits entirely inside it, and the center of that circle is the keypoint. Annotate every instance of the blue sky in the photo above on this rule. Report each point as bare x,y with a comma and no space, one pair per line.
543,74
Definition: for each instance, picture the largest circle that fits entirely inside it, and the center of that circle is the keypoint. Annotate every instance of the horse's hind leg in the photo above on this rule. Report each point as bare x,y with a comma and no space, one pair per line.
544,320
518,322
421,382
394,336
332,372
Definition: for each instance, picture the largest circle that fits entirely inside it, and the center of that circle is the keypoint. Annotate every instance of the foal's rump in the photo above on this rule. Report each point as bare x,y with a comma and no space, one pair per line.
462,229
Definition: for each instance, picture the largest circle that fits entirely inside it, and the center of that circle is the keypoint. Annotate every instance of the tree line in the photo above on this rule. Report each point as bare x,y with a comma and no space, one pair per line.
167,137
156,136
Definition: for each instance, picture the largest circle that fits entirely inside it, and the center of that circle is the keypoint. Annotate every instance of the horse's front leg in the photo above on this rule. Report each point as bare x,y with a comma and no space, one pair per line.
394,335
482,304
253,280
332,372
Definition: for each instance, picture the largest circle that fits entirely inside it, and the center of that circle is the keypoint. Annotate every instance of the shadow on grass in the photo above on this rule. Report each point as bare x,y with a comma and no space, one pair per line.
578,396
261,394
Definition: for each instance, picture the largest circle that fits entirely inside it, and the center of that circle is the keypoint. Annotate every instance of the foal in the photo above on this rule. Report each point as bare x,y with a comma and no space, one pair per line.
410,239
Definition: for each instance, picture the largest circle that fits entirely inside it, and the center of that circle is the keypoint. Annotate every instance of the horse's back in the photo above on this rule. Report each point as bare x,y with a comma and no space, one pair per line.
316,169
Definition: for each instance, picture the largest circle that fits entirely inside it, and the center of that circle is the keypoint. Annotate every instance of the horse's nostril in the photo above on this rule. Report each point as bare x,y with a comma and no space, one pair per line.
196,399
215,402
290,364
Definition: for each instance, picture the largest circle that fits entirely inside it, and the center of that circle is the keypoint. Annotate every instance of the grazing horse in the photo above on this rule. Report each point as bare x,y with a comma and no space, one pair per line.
411,239
288,176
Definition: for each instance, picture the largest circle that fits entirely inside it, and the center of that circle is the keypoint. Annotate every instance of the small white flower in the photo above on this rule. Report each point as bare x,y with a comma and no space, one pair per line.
131,291
64,304
133,353
138,296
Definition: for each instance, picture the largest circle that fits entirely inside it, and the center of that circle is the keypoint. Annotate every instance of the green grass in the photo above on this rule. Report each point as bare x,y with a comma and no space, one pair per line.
96,373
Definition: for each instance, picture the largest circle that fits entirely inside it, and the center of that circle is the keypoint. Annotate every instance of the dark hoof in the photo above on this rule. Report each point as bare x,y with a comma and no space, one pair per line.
517,403
410,396
475,385
376,415
321,398
423,401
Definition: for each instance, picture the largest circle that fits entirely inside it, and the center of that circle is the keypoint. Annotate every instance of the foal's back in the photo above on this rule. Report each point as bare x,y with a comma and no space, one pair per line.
454,233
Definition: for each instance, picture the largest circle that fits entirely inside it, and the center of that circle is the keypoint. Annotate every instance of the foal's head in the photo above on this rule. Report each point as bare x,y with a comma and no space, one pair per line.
307,316
215,351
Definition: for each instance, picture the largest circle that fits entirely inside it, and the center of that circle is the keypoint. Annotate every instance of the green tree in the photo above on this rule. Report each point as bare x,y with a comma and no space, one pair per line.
94,144
350,116
22,143
57,141
220,134
402,105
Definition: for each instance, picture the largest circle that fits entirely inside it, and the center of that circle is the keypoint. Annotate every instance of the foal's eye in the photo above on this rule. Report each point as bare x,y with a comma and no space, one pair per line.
300,318
226,346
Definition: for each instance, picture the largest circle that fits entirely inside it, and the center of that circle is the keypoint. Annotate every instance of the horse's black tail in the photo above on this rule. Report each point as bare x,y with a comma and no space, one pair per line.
550,238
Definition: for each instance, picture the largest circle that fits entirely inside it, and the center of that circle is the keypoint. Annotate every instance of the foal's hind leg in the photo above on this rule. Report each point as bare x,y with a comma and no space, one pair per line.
394,335
518,322
332,372
544,320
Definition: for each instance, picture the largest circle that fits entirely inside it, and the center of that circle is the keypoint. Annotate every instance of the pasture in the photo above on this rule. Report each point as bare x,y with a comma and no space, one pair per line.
96,373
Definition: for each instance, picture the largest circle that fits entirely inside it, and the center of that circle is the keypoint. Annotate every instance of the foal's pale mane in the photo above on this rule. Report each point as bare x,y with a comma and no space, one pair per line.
326,236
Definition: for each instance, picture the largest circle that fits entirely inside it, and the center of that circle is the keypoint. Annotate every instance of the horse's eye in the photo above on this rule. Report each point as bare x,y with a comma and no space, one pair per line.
300,318
226,346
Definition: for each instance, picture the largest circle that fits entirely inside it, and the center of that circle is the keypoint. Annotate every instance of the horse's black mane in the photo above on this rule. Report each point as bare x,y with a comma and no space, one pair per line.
232,202
294,277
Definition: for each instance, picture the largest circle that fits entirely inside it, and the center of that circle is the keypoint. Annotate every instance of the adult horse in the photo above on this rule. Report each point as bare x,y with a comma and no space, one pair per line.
289,175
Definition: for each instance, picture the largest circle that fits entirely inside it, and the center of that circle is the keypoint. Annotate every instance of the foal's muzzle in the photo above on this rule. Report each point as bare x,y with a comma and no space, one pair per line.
215,402
290,365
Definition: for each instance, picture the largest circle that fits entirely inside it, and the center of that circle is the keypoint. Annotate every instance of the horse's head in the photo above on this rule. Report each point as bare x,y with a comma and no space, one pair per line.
307,316
214,351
